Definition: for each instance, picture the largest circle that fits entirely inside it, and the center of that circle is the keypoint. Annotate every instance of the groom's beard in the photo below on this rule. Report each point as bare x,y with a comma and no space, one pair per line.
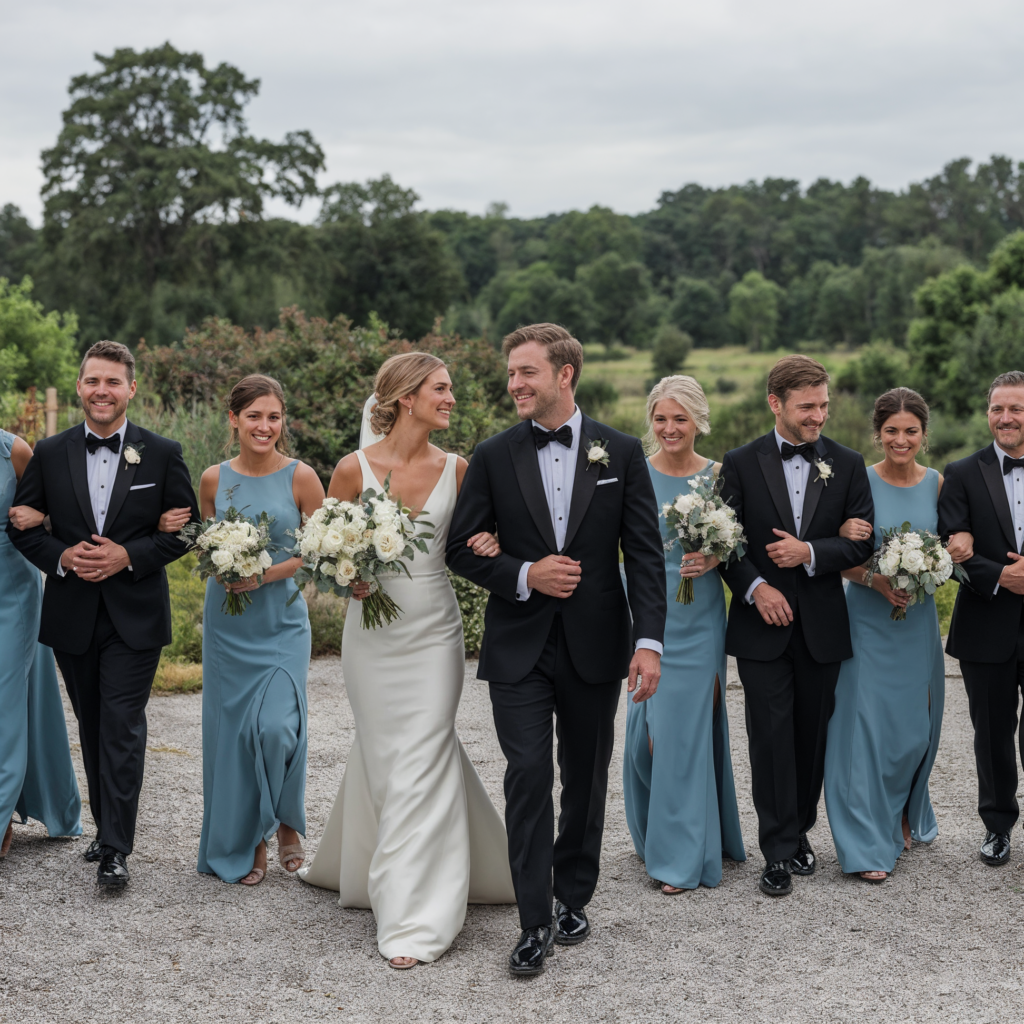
808,433
111,414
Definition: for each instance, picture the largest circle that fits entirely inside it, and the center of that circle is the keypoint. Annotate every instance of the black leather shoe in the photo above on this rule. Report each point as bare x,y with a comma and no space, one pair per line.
995,851
113,871
534,945
93,852
804,862
571,926
775,879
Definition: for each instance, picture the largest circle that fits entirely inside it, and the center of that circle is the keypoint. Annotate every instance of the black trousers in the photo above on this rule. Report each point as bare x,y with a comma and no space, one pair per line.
584,715
109,686
788,704
993,694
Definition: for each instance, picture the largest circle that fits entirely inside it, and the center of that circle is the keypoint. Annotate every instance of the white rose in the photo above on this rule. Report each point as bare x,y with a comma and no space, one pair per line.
221,558
913,560
889,563
596,453
265,560
131,456
346,572
332,542
388,544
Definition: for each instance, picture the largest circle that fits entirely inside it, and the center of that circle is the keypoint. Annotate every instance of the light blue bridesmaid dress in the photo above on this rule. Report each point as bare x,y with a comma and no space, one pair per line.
37,778
884,733
254,694
681,802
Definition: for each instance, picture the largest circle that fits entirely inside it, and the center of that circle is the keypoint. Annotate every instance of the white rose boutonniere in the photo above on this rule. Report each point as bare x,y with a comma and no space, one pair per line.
824,468
133,454
598,452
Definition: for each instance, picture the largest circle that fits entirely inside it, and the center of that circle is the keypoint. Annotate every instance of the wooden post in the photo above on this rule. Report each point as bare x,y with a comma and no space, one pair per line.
51,412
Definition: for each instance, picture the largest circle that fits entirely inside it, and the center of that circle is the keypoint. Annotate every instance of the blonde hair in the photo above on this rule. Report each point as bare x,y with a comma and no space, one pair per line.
399,376
685,391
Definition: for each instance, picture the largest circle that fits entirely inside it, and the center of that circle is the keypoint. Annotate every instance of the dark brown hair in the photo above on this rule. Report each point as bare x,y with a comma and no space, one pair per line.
244,393
399,376
562,348
895,401
792,373
1010,379
114,352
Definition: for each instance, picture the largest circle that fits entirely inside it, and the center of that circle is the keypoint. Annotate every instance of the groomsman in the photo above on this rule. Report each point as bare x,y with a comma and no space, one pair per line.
984,495
106,609
788,626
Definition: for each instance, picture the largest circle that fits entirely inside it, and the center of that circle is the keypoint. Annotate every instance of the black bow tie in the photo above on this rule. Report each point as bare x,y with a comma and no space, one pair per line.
92,442
1011,464
805,449
563,435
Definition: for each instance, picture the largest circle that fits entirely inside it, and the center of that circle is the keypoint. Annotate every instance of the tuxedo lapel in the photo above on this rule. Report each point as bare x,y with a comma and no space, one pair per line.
524,461
80,476
815,485
122,479
992,472
584,483
770,461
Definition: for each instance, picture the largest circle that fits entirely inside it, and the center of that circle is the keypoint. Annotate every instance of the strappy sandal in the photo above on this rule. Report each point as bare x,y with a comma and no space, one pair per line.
669,890
8,837
400,966
863,876
258,872
290,853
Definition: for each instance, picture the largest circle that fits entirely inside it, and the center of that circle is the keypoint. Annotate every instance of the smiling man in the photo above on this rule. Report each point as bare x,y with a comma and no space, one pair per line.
984,494
106,610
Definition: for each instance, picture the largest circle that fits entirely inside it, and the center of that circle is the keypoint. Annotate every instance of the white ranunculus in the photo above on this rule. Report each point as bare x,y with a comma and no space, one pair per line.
333,541
913,560
388,544
346,572
221,559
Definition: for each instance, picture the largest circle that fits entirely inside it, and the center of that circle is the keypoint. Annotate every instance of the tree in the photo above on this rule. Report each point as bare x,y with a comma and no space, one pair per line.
671,347
537,294
619,291
153,156
17,238
754,309
577,238
37,349
840,316
697,309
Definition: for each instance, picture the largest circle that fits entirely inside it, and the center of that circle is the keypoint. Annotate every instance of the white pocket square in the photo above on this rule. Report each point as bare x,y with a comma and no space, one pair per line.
610,480
140,487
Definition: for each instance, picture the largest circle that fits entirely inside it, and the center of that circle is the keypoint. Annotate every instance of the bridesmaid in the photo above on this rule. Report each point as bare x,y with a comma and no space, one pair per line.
884,733
37,779
677,770
255,664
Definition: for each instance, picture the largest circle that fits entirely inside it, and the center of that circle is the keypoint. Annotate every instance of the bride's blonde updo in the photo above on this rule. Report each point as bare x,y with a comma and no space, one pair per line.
399,376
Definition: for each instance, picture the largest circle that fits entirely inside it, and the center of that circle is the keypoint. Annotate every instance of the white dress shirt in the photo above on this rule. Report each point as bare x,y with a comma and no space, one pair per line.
1014,484
797,471
100,470
557,472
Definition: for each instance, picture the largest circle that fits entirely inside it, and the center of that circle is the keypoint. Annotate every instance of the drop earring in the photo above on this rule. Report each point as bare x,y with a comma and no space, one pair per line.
410,410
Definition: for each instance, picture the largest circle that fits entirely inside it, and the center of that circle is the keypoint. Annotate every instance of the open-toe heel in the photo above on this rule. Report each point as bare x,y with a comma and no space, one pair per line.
402,963
289,854
872,877
254,877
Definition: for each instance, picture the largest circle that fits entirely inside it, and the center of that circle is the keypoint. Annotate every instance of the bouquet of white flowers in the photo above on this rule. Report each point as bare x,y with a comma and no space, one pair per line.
703,522
347,542
914,561
232,549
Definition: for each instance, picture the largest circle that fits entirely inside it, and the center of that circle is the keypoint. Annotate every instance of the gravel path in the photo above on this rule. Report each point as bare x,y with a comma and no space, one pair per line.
941,940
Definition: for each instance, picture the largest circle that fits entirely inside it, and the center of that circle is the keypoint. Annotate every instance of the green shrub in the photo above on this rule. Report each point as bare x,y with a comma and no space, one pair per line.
187,596
596,397
945,598
472,602
326,621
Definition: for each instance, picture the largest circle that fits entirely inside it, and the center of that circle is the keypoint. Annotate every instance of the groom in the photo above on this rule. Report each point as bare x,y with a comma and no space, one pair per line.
106,610
788,627
563,493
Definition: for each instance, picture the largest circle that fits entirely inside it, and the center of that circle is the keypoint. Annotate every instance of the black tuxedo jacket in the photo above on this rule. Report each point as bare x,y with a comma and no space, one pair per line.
55,482
973,498
611,505
755,485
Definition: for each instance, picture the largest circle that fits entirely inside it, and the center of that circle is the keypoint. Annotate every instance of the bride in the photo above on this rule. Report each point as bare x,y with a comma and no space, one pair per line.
413,834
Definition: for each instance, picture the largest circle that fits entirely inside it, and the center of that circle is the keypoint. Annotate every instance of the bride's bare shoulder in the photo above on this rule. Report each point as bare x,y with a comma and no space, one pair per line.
347,479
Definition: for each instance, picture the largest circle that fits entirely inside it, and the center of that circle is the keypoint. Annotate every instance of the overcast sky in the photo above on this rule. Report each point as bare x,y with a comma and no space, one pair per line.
549,105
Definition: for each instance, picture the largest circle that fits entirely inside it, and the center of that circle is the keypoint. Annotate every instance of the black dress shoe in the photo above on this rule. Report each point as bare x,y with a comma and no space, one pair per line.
804,862
534,945
113,871
93,852
996,848
571,926
775,879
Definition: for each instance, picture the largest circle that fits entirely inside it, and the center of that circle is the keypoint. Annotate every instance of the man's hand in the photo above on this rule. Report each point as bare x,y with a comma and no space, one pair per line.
73,556
1012,577
554,575
788,552
645,669
96,561
774,608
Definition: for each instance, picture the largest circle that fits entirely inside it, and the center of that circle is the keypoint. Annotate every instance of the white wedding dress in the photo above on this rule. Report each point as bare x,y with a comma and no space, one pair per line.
413,834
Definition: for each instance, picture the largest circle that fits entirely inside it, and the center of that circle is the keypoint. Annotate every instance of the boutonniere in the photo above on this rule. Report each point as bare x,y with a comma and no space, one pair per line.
133,454
598,452
824,468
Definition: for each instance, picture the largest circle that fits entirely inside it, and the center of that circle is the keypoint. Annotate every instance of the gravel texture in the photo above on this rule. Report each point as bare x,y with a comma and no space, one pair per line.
941,940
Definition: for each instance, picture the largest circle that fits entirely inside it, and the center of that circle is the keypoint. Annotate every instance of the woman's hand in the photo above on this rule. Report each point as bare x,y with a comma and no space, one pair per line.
174,519
24,517
695,564
484,544
360,590
856,529
897,598
252,583
960,546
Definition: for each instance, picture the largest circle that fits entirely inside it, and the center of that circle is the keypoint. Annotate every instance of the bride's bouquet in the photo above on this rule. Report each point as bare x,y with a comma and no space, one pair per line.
703,522
347,542
232,549
915,562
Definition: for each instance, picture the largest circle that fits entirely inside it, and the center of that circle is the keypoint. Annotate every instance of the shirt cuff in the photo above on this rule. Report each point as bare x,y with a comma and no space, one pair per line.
748,597
60,567
996,591
523,592
810,568
650,645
